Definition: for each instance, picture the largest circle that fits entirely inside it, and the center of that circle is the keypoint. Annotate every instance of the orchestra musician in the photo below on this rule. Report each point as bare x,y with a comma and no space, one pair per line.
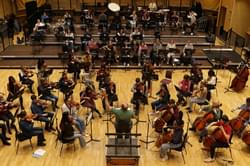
87,62
25,75
72,107
223,140
211,80
28,130
123,116
142,53
39,30
186,56
184,90
199,95
139,96
43,72
102,74
174,20
120,38
195,75
125,55
87,99
176,141
15,90
74,67
67,130
44,89
103,21
109,53
38,108
3,136
191,24
66,85
164,97
69,42
145,18
147,76
5,113
104,37
87,36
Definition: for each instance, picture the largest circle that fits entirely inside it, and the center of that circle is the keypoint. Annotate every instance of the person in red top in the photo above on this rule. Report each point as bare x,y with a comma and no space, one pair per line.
184,90
227,133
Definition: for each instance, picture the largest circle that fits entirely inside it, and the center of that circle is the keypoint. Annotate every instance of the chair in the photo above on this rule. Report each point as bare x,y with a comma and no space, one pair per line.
183,146
63,141
20,137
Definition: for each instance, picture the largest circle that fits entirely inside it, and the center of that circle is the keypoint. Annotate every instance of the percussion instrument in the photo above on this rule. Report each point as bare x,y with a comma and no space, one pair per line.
114,7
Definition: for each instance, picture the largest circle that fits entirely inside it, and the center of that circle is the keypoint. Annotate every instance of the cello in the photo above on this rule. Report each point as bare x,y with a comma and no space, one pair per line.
246,137
201,122
240,80
237,123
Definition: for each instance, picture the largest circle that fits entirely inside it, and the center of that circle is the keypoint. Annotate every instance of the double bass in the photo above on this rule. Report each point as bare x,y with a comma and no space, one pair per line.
240,80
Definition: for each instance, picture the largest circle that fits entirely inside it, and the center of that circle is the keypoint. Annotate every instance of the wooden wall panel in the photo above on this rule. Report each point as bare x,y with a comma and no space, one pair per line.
76,5
1,9
64,4
53,3
7,4
176,3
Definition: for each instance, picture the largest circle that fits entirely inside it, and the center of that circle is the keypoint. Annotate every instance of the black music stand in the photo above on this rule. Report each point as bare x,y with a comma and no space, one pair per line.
89,121
147,141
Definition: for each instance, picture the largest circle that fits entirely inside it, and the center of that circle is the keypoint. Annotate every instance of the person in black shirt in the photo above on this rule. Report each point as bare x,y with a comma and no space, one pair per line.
3,136
15,91
176,139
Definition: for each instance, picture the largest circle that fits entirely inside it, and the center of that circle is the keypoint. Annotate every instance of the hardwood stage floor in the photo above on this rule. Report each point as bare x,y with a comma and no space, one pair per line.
94,153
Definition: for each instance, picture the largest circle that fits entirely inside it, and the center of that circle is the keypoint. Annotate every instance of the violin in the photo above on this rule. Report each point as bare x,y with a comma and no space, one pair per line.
239,81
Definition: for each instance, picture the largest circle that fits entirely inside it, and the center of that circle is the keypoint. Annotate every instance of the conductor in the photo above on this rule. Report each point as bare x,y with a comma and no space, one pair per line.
123,116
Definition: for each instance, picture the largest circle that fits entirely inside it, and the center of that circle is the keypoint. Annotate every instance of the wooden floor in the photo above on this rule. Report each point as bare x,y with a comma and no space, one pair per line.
94,153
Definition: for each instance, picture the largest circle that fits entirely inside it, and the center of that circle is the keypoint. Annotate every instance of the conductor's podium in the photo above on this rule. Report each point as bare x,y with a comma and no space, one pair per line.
122,151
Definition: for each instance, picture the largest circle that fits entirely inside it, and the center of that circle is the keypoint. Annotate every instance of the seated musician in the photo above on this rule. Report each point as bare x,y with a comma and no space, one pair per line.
66,85
69,40
226,130
28,130
59,30
67,15
139,96
38,108
15,90
186,56
87,36
3,136
198,96
109,53
43,72
174,20
67,130
88,18
136,36
191,24
176,141
142,53
116,21
44,89
147,77
5,113
155,56
87,99
72,108
104,37
102,74
195,75
87,62
45,18
133,20
164,97
171,48
120,38
211,80
184,90
110,89
123,116
25,75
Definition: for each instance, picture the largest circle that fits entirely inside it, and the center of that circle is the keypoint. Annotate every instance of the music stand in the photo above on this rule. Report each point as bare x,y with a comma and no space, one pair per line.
89,121
147,141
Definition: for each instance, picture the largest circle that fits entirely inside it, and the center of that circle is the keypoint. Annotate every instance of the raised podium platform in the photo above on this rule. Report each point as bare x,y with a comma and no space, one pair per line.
122,152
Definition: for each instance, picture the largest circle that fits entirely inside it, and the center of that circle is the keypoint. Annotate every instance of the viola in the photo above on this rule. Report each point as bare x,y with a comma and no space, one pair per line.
201,122
239,81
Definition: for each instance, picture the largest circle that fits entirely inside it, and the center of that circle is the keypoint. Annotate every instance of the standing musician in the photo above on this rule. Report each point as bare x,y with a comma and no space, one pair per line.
74,67
123,116
147,76
25,75
87,62
102,74
186,56
28,130
66,85
72,107
133,20
39,30
191,24
15,90
225,135
44,89
38,108
5,113
164,97
43,72
198,96
138,95
87,99
175,141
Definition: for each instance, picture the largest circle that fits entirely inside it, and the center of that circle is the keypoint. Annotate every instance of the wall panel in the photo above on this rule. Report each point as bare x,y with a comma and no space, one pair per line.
176,3
7,4
1,9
